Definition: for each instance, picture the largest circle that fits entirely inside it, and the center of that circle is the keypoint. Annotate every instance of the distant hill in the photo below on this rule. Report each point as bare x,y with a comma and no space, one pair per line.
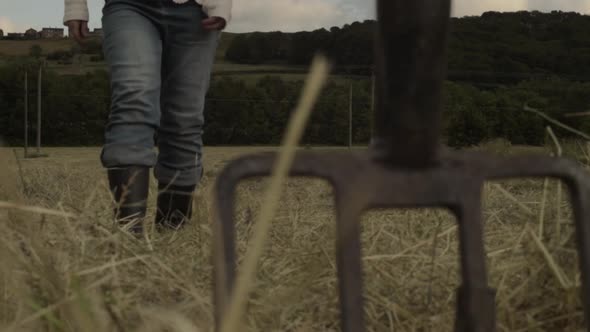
494,48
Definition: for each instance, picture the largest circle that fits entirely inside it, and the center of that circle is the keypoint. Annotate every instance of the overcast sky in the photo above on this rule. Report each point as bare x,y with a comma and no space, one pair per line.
273,15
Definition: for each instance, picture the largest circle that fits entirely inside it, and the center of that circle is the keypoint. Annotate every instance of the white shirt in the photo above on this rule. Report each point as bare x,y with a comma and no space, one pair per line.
78,9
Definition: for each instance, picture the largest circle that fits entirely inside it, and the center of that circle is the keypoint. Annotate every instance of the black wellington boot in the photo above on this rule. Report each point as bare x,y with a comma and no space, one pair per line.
130,188
174,206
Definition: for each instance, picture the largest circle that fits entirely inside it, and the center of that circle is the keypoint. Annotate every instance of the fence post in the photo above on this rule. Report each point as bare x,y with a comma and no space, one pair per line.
372,101
350,119
26,114
39,87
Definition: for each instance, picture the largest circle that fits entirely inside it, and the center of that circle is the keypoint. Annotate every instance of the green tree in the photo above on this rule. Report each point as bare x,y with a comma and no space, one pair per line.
465,120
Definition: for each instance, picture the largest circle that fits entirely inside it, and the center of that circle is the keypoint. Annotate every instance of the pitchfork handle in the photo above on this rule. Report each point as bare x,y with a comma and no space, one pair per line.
410,59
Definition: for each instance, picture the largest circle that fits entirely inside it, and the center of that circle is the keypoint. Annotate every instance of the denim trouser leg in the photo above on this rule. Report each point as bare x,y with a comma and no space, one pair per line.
189,52
160,60
133,49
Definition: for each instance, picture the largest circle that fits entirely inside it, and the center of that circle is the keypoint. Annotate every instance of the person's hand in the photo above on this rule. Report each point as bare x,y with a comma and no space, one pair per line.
78,30
214,23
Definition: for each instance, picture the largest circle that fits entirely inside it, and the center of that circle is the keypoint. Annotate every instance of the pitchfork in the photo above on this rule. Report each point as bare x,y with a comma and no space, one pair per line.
406,167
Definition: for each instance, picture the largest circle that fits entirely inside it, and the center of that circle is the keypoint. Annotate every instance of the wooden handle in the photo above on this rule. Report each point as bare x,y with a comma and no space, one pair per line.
410,59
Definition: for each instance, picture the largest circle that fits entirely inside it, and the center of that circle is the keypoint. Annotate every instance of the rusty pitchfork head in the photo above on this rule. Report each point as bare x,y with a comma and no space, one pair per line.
405,167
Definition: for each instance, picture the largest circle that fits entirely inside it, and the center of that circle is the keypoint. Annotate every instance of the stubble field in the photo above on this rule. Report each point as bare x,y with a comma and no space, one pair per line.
65,267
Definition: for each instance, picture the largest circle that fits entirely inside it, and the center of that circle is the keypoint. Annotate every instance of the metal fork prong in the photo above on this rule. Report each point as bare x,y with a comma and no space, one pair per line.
224,252
580,196
348,253
475,300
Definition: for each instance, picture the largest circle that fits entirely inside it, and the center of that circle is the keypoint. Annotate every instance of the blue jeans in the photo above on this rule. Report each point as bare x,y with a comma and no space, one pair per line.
160,60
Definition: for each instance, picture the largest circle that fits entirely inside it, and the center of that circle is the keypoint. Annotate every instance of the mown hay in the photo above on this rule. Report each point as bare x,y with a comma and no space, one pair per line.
64,273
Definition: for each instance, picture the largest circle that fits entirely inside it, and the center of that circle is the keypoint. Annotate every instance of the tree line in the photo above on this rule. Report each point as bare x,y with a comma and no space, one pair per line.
75,109
494,48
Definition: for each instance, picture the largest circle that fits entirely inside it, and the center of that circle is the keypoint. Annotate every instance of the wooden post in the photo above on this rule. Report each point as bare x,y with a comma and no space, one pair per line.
39,87
350,119
372,101
26,114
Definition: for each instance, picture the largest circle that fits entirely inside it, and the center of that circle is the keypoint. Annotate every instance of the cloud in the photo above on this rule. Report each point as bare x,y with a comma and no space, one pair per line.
269,15
582,6
468,7
7,25
360,8
288,15
297,15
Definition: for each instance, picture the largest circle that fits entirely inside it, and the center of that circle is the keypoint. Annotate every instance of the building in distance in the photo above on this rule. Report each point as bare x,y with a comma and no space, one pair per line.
15,35
50,33
45,33
31,34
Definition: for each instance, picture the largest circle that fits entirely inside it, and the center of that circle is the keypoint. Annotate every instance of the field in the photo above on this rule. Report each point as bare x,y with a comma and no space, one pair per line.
22,47
65,272
82,64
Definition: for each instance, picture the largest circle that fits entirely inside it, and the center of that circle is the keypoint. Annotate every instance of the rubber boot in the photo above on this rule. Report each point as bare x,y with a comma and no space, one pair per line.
174,206
130,187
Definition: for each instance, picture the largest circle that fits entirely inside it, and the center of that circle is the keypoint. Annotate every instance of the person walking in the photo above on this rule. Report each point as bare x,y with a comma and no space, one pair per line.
160,54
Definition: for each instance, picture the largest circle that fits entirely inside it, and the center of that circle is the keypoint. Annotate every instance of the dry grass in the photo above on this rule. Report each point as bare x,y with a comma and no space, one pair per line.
68,269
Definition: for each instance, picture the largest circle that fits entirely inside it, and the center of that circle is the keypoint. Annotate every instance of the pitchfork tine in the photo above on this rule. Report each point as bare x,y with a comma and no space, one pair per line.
475,300
580,197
